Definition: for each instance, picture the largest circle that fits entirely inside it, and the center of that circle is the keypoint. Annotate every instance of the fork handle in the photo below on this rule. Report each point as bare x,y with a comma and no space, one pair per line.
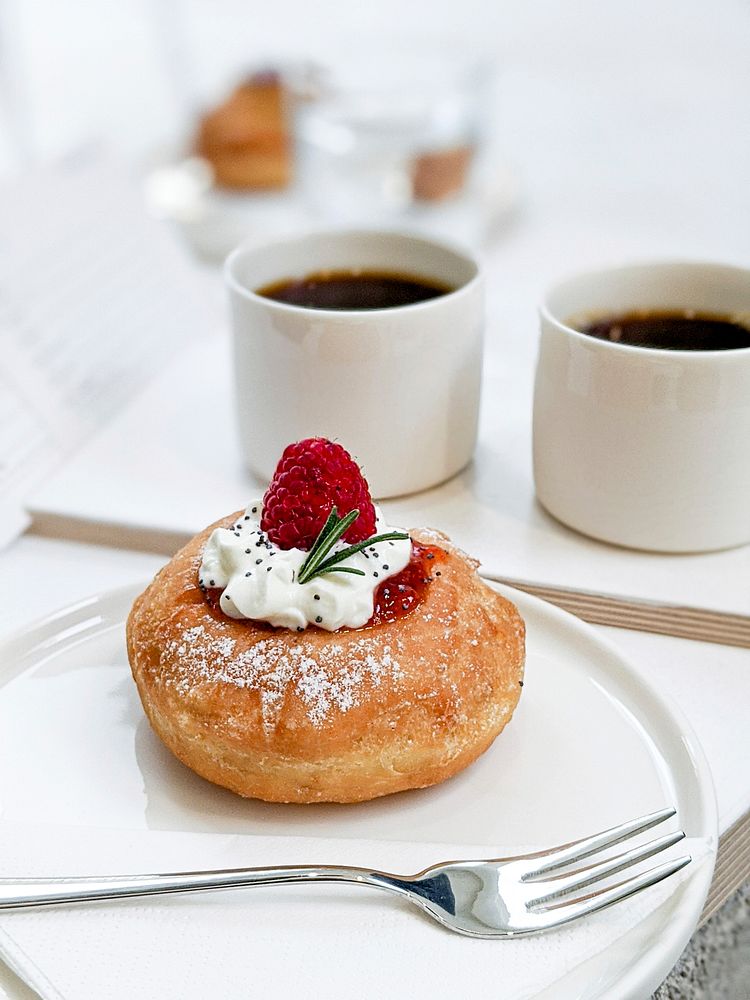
16,893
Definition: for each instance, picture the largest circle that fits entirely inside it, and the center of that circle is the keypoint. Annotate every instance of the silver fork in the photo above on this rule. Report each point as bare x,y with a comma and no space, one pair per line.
504,897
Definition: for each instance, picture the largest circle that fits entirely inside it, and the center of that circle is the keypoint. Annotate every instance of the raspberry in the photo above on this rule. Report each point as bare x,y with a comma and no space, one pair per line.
312,477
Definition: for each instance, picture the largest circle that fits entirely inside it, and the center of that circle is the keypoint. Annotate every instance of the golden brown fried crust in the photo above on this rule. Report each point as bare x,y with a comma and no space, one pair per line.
327,717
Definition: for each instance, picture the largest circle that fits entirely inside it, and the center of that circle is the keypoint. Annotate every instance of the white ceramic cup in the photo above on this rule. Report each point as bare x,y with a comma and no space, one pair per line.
645,448
398,387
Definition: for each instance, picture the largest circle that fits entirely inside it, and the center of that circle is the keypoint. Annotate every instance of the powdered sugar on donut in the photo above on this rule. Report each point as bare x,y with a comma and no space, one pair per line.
325,683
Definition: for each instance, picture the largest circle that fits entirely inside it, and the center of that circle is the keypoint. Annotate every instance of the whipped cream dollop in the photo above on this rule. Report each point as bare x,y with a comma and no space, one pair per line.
259,580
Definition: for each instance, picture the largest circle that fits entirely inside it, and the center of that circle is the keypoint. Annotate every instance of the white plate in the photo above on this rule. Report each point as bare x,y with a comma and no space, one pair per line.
215,221
591,745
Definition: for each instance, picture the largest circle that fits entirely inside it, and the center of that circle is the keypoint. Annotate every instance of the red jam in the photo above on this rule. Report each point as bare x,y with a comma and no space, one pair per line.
395,598
399,595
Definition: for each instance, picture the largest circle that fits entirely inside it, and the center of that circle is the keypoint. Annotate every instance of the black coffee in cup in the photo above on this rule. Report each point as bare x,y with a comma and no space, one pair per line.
670,330
354,290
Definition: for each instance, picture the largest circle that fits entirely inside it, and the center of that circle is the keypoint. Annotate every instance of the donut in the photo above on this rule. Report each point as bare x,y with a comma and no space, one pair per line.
247,139
316,716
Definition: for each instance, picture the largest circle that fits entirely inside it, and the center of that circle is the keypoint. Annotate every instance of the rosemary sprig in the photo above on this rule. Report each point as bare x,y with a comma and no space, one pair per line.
331,521
330,533
320,560
338,557
341,569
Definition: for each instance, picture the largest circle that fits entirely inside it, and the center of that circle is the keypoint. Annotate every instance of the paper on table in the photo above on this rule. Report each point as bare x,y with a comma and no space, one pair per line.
333,942
95,297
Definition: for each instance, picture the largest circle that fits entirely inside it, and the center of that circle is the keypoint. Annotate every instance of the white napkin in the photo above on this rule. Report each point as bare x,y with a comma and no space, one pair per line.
322,941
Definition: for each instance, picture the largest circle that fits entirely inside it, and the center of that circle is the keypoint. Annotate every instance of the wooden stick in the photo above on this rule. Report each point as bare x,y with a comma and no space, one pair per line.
703,624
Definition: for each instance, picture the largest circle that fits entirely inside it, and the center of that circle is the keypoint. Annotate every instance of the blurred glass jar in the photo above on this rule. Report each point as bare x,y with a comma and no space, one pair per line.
392,132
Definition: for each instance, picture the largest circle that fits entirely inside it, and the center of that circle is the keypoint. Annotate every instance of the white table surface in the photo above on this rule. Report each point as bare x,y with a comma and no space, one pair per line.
628,125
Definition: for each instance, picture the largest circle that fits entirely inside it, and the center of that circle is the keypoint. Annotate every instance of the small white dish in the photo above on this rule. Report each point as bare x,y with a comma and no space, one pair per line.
179,189
590,745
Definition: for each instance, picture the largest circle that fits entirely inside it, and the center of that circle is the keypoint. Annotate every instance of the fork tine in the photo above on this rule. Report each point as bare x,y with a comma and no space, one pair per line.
562,885
561,913
579,849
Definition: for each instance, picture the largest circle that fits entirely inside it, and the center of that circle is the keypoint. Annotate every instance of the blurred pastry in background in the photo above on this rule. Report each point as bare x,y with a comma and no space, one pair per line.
440,174
248,139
